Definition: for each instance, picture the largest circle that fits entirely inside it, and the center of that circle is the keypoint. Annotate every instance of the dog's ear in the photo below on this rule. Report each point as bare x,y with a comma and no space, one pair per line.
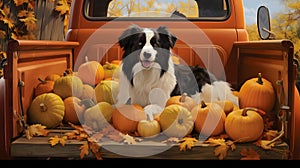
125,37
167,36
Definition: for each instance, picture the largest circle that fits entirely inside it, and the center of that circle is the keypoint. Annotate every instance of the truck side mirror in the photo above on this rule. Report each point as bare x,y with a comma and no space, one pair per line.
263,23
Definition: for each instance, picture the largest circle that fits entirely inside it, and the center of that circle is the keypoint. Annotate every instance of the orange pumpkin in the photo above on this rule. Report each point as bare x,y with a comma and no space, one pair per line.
182,100
244,125
90,72
45,86
210,118
125,117
257,92
74,110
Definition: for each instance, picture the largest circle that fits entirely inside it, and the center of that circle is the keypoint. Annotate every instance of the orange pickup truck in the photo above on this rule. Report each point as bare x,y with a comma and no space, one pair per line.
210,33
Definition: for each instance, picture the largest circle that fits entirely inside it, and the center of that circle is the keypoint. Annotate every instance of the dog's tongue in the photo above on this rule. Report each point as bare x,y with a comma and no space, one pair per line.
146,64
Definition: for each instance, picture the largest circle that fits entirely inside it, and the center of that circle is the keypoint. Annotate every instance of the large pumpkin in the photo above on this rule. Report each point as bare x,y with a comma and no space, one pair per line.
176,121
98,116
90,72
244,125
210,118
47,109
106,91
257,92
68,85
88,92
125,117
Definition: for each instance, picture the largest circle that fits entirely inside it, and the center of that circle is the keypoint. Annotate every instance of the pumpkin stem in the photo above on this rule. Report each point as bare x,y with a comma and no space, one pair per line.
259,79
86,58
43,107
182,97
203,105
42,80
109,65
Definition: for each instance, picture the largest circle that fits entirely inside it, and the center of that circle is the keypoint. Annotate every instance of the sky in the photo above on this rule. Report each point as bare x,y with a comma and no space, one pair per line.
251,6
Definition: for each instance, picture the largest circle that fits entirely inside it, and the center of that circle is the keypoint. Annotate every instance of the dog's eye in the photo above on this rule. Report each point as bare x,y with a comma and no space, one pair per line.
140,43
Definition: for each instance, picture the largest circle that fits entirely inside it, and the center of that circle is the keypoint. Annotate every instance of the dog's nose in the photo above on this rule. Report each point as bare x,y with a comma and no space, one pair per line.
147,55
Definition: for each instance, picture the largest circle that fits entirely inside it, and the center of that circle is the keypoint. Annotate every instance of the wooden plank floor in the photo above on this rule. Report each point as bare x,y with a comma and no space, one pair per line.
40,148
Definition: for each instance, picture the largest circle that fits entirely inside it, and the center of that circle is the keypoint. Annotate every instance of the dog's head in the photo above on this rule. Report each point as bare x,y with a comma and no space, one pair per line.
147,46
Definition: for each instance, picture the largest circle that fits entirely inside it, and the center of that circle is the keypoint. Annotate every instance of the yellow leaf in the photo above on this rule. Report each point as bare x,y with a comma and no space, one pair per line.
54,140
36,130
249,154
84,150
62,7
187,143
129,139
219,141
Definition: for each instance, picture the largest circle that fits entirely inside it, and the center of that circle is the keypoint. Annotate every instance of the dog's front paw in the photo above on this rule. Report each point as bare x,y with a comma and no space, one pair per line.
152,110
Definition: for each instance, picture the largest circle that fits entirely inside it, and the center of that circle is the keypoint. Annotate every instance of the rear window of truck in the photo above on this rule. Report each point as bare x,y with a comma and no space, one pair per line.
158,9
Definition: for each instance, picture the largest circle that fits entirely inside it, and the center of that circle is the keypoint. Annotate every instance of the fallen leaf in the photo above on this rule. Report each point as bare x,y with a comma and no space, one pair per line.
84,150
36,130
95,148
249,154
55,140
187,143
129,139
265,144
171,140
221,151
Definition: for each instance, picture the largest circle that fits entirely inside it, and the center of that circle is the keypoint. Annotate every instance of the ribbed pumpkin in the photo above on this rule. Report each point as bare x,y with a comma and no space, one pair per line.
226,105
45,86
182,100
88,92
125,117
257,92
210,118
47,109
148,128
106,91
98,116
244,125
90,72
74,110
68,85
176,121
110,70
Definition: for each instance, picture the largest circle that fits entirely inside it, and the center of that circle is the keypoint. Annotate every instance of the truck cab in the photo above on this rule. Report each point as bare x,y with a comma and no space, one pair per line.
210,34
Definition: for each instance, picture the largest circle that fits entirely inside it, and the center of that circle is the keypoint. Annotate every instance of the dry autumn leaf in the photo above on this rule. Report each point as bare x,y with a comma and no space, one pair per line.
62,7
36,130
55,140
221,151
249,154
84,150
129,139
171,140
187,143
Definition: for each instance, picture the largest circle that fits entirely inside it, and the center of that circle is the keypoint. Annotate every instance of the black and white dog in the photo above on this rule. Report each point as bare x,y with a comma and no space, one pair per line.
149,76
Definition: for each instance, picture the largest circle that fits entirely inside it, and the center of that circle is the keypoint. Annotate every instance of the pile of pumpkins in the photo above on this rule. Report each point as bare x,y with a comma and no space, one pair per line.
88,97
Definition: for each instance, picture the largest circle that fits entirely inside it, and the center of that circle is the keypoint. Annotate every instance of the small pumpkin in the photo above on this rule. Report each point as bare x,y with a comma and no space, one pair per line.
125,117
88,92
45,86
106,91
90,72
47,109
110,70
182,100
257,92
227,105
98,116
210,118
176,121
148,128
74,110
244,125
68,85
52,77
